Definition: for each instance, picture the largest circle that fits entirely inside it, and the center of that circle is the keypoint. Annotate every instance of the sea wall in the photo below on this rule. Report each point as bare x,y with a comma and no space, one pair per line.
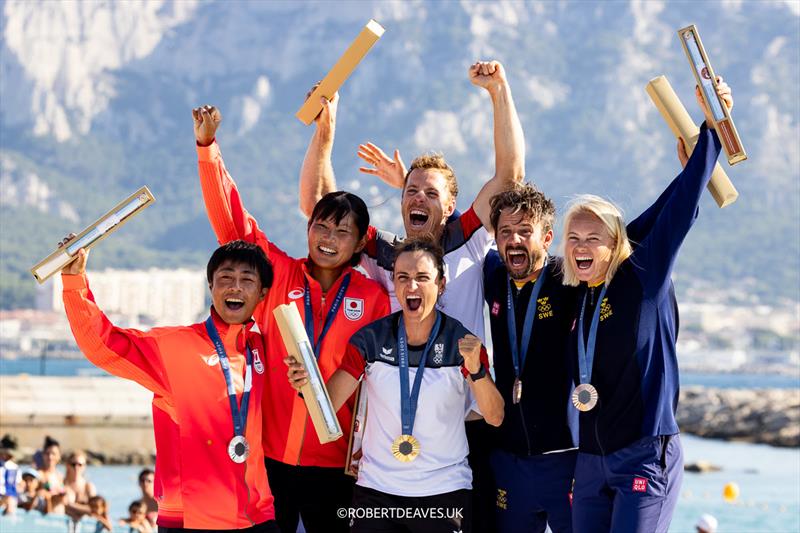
768,416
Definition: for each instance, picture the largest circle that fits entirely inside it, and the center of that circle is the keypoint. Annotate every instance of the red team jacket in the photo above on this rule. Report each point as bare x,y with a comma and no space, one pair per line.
289,435
200,487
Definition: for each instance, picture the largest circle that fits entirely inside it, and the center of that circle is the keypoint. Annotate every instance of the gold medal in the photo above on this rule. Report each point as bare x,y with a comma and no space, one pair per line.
405,448
516,392
584,397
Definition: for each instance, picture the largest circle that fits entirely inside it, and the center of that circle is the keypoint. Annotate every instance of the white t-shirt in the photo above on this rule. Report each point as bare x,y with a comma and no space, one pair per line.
465,242
445,399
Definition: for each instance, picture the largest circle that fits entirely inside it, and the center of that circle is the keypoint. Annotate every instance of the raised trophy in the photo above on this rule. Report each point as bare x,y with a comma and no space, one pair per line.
707,81
102,228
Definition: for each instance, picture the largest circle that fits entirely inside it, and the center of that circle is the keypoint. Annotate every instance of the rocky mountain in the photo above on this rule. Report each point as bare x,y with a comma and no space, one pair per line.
96,98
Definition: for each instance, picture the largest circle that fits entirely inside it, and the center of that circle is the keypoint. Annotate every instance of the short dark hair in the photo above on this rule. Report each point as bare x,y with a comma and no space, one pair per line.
245,253
528,200
422,244
337,205
136,505
49,442
143,473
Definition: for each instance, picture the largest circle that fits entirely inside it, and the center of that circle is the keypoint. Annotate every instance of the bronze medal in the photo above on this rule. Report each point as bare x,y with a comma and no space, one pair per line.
584,397
516,391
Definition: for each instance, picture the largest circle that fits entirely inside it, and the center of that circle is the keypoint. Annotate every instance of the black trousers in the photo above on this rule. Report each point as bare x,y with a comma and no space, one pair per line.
479,437
266,527
312,493
378,512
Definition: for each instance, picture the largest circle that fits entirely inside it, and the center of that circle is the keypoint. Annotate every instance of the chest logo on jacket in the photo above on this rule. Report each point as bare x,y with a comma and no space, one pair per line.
296,293
257,363
353,308
386,353
438,353
212,359
496,308
543,308
605,309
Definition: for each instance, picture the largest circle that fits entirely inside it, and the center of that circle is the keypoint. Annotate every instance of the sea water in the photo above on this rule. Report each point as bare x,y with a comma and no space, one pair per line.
768,480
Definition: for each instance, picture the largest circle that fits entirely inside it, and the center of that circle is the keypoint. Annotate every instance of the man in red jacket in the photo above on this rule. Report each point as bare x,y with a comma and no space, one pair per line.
208,382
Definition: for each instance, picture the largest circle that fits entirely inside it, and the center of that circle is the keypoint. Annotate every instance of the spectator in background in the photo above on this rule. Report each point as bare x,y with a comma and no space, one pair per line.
706,524
77,489
147,486
33,497
46,462
137,518
9,474
98,509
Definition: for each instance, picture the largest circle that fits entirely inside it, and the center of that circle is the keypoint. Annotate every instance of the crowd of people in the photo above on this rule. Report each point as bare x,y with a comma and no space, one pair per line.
49,487
570,424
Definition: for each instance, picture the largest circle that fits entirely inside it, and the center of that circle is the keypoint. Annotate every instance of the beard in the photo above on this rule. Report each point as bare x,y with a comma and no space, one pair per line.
533,258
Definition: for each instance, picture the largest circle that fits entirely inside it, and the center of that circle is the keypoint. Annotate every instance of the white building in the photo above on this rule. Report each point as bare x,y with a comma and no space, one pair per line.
156,297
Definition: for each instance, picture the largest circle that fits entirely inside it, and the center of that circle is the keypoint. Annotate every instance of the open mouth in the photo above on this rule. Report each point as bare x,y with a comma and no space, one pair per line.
517,258
413,302
418,218
234,304
330,252
584,262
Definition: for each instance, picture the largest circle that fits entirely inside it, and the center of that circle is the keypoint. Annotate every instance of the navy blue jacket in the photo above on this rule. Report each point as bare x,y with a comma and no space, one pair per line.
635,368
544,420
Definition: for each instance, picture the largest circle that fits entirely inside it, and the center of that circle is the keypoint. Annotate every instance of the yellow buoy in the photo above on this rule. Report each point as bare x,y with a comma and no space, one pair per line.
730,492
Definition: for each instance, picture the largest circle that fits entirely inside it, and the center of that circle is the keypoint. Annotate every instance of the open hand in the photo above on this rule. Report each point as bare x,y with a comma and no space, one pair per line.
391,171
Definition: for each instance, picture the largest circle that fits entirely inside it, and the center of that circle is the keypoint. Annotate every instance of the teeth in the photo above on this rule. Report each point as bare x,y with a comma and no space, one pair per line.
235,300
327,250
413,297
418,212
515,252
583,258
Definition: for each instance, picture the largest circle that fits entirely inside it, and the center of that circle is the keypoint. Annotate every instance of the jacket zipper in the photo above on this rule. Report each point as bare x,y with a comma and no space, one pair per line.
525,428
313,341
243,333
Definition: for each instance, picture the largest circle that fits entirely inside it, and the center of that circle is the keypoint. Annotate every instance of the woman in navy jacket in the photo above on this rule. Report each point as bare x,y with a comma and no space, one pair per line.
622,346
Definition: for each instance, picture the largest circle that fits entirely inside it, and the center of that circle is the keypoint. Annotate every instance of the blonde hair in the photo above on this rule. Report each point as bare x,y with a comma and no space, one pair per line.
611,217
435,161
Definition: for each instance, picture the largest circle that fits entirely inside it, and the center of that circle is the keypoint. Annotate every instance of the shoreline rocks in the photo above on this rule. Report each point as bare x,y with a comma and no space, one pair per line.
763,416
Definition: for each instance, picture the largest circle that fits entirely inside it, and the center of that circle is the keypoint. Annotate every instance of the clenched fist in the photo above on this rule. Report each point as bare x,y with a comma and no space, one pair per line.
206,121
488,74
470,349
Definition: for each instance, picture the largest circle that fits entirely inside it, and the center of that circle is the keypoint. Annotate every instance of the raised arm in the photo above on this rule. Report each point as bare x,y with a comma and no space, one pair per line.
228,217
126,353
657,253
639,227
509,140
316,175
489,400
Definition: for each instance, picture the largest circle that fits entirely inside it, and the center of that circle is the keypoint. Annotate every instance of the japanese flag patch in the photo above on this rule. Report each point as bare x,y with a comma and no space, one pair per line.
353,308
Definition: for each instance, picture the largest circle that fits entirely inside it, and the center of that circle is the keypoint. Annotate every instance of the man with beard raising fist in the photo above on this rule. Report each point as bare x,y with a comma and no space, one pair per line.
530,312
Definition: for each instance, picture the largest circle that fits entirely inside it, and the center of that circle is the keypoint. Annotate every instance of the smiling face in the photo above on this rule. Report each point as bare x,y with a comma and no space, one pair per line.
522,243
426,203
235,291
332,245
589,247
417,284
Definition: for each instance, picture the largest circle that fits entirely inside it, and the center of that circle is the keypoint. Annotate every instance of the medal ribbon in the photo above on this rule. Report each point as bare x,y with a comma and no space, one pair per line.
238,415
586,351
408,402
309,318
520,351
